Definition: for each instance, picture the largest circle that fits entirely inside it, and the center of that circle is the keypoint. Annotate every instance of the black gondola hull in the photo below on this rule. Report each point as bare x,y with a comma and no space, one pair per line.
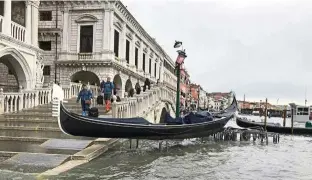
77,125
271,128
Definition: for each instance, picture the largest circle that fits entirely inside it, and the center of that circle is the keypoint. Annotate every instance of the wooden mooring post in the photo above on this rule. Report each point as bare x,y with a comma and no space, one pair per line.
136,146
292,120
285,115
231,134
266,113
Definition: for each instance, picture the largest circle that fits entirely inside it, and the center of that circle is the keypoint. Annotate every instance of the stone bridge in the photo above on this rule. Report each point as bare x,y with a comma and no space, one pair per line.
151,104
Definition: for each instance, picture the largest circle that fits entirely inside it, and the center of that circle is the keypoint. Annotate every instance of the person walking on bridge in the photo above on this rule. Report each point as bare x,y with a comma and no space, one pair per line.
85,96
102,86
108,91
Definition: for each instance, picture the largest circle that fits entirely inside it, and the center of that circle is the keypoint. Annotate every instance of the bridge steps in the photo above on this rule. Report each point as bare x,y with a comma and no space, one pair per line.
13,122
30,135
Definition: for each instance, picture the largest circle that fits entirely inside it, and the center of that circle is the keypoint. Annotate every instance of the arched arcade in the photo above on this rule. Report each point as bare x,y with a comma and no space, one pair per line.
128,86
85,77
118,85
14,70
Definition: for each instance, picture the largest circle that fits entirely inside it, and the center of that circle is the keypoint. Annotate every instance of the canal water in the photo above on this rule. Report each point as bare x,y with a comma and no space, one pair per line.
192,159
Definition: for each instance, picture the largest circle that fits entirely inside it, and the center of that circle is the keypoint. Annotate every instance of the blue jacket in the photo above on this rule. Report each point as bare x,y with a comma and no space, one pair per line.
108,87
84,95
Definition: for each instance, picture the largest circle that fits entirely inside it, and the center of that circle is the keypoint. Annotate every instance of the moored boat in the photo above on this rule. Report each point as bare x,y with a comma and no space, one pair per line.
301,114
273,127
138,128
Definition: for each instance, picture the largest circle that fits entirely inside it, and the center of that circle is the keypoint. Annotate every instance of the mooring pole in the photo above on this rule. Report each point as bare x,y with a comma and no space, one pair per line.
266,113
285,114
130,143
292,120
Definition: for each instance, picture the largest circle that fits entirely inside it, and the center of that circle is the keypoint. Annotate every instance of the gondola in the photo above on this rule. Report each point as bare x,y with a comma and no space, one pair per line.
273,127
136,128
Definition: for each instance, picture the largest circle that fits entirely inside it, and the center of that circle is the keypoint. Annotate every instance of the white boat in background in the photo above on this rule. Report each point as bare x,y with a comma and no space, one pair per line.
302,114
256,113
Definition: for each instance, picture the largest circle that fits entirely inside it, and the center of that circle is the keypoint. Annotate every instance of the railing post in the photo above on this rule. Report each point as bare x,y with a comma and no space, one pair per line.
36,98
1,101
20,102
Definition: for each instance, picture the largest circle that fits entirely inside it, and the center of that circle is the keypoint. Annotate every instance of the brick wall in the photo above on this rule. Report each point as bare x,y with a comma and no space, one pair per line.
7,81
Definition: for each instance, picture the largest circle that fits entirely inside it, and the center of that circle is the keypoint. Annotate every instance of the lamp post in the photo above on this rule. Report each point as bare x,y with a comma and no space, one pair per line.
179,62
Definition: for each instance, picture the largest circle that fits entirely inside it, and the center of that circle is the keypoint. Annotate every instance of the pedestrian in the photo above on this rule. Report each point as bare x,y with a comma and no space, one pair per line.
102,85
131,92
137,88
108,91
85,96
158,81
147,84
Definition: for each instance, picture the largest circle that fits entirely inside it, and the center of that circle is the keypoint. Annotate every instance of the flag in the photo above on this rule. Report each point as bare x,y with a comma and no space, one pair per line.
180,59
177,44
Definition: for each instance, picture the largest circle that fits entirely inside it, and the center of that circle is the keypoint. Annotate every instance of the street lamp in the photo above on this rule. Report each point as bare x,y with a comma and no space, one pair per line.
179,62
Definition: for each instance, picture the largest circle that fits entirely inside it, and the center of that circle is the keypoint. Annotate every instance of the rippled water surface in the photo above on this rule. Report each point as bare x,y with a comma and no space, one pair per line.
193,159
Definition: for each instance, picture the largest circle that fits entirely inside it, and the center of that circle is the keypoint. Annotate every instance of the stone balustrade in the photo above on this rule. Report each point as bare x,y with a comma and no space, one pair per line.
18,32
136,106
141,104
73,89
68,56
24,99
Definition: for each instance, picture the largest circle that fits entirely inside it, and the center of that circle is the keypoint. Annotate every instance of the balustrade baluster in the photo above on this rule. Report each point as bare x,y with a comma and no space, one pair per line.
11,104
6,104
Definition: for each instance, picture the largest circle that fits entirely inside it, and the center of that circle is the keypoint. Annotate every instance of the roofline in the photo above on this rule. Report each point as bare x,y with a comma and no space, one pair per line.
152,40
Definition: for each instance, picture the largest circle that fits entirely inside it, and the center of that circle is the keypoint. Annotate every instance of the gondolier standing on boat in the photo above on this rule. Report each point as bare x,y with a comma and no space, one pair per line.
108,91
85,96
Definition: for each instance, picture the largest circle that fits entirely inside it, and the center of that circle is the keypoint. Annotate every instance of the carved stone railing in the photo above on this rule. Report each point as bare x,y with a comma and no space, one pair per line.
18,32
15,101
141,104
73,89
68,56
86,56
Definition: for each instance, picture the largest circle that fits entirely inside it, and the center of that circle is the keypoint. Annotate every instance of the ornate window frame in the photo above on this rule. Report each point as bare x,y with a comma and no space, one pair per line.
86,20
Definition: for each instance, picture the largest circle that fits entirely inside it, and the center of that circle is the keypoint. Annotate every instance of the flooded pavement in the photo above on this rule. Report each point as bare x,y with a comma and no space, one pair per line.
193,159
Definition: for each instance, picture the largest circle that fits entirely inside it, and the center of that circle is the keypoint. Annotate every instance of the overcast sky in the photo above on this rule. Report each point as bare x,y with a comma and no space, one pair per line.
258,48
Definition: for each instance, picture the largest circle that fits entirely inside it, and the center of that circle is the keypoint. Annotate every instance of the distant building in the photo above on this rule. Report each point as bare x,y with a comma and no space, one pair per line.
193,96
184,86
203,99
220,100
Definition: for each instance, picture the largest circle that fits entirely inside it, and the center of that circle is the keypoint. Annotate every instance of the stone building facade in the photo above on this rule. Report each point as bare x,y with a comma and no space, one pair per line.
89,41
21,63
220,100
